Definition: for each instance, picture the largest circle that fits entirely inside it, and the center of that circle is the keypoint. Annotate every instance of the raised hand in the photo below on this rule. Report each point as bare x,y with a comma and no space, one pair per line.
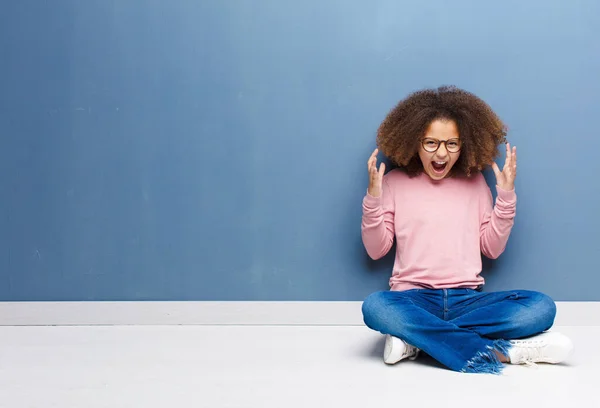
375,175
505,179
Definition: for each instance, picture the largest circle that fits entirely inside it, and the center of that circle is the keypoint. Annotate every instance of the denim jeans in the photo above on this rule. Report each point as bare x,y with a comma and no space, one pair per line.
460,328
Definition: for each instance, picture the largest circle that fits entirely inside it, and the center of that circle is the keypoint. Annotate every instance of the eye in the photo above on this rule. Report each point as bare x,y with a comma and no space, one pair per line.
430,142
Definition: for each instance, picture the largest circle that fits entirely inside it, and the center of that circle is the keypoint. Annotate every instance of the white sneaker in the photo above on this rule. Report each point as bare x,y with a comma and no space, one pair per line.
397,349
548,347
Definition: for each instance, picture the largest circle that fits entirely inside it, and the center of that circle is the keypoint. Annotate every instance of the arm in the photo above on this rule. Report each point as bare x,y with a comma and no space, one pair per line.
497,221
377,225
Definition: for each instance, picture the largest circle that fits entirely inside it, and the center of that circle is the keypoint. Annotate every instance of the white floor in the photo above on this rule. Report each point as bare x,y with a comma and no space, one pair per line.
264,366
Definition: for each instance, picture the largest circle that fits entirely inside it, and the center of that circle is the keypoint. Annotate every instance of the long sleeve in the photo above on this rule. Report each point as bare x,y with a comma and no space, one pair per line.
377,226
497,221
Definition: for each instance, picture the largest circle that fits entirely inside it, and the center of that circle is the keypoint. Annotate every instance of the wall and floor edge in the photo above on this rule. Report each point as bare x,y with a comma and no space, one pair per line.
285,313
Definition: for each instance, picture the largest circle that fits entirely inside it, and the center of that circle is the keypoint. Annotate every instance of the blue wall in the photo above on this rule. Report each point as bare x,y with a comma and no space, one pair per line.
216,150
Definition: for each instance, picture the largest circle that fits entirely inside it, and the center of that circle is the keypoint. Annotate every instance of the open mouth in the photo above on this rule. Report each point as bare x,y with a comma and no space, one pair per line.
439,166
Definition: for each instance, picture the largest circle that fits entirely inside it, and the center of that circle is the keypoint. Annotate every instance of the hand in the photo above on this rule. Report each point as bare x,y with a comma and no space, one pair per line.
505,179
375,176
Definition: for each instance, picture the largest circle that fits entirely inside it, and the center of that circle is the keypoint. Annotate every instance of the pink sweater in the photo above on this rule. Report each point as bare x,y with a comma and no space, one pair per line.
441,228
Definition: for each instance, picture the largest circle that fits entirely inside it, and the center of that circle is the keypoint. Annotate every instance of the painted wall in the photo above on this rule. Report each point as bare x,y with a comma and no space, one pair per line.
211,150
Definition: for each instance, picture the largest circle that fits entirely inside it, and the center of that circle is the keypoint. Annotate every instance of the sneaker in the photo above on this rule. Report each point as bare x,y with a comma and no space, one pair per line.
397,349
548,347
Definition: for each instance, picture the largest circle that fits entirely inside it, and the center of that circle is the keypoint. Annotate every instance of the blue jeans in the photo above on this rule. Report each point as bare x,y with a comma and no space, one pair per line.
460,328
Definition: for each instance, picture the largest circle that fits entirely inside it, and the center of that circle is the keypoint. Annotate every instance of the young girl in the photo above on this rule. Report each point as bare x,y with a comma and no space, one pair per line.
440,210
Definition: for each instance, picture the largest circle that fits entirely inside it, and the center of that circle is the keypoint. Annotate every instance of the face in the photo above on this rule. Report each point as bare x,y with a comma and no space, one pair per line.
443,136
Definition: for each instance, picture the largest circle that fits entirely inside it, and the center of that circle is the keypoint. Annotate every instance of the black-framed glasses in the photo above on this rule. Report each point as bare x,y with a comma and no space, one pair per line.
432,145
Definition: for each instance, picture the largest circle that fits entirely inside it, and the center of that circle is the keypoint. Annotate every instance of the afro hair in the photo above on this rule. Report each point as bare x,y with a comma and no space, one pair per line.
481,131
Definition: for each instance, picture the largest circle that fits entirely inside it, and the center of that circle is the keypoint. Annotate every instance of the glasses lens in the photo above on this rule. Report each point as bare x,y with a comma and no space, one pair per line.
453,146
430,145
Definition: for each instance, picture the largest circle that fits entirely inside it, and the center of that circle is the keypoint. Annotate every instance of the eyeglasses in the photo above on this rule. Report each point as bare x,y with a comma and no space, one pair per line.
432,145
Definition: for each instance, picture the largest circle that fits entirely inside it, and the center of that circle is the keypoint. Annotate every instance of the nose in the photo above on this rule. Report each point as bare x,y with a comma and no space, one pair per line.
442,152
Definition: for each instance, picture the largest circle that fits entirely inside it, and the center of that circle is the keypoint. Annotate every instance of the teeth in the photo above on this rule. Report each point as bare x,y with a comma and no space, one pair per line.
440,163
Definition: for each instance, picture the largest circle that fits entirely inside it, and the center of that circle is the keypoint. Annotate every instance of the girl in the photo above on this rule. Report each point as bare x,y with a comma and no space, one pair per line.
440,210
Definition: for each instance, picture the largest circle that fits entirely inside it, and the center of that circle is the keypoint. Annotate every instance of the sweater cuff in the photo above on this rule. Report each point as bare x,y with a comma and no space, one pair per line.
508,196
371,202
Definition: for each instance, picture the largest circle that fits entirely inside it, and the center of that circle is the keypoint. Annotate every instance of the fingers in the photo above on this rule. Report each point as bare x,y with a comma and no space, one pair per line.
511,158
372,162
508,159
381,171
375,174
514,162
374,155
496,169
514,157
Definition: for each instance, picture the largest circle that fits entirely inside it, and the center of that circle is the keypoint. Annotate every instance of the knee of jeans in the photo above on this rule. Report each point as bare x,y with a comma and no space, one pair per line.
540,311
372,308
546,309
377,313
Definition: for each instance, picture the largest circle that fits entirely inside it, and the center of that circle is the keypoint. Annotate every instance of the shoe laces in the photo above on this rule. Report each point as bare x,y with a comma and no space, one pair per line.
411,352
528,351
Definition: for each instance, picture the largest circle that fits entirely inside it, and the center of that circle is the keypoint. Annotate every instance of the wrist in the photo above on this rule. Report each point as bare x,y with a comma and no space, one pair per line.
505,187
374,192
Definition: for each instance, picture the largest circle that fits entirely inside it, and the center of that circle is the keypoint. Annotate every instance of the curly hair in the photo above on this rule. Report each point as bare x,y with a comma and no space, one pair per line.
481,131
